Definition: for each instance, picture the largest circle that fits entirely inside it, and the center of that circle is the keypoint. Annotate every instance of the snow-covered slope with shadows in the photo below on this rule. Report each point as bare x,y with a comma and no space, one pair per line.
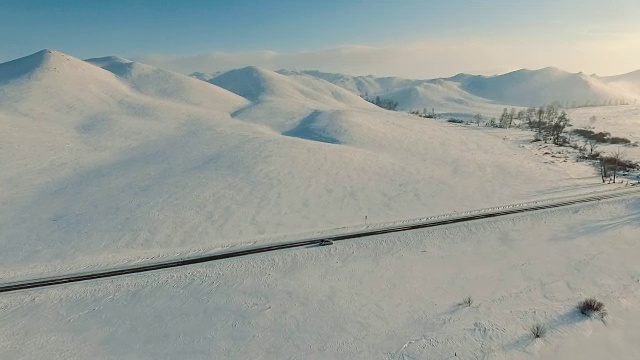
361,85
544,86
108,61
282,102
466,94
135,162
256,83
629,82
171,86
446,98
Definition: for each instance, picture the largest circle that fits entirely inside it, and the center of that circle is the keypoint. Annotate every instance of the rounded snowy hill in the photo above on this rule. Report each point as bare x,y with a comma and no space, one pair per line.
465,95
49,75
59,82
256,84
169,85
363,85
108,60
544,86
629,82
281,102
446,97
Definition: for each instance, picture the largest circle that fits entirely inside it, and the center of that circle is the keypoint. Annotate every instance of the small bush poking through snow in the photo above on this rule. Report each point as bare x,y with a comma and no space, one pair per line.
468,301
591,306
538,331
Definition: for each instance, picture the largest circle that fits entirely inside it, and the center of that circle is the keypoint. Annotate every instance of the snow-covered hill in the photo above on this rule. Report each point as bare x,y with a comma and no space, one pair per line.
544,86
108,60
256,83
284,103
466,94
121,160
362,85
629,82
170,86
443,96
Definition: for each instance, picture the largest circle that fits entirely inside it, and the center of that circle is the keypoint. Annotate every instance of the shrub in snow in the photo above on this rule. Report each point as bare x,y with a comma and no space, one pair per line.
538,331
591,306
468,301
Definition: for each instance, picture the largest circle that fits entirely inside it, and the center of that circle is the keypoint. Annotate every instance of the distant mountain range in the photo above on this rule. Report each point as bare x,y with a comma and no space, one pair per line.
465,93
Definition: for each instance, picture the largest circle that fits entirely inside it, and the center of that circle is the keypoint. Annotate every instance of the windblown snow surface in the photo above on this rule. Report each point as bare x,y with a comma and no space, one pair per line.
394,296
110,160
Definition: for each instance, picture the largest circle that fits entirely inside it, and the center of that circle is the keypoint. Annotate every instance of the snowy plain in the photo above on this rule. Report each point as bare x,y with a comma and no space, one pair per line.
393,296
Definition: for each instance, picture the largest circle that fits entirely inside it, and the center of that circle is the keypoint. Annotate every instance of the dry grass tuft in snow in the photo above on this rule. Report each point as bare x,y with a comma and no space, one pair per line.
591,306
468,301
538,331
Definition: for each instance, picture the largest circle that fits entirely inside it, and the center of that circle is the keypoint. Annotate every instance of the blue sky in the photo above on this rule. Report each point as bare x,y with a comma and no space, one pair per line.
161,29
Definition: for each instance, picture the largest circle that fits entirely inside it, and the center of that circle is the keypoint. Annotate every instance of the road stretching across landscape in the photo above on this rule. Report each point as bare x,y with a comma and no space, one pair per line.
453,219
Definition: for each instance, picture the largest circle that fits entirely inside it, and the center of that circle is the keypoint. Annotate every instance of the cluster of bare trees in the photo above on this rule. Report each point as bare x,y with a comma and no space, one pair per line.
425,113
548,122
507,119
612,164
508,116
388,104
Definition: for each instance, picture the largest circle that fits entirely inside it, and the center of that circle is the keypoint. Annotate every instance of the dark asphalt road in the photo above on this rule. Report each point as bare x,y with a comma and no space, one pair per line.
134,269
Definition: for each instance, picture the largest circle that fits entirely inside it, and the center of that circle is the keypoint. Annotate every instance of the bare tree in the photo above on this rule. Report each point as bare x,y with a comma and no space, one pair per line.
504,118
592,143
617,157
512,115
529,116
540,120
604,173
551,113
478,118
520,116
557,126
